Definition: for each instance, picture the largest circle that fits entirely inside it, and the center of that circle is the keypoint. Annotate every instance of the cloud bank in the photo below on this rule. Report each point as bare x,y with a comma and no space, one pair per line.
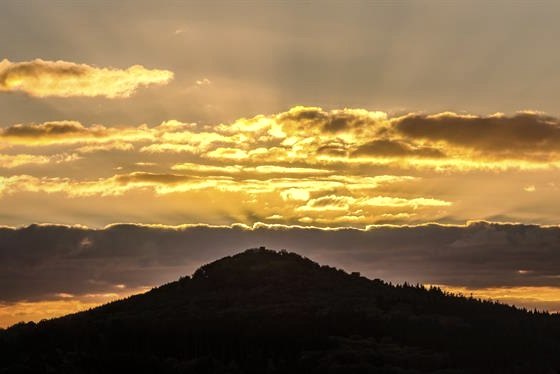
59,263
42,78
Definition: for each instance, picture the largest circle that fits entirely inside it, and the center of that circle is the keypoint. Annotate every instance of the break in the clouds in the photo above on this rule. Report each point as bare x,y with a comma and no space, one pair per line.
42,78
75,267
347,167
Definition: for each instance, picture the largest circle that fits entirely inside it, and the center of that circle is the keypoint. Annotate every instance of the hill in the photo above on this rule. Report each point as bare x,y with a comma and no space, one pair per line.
262,311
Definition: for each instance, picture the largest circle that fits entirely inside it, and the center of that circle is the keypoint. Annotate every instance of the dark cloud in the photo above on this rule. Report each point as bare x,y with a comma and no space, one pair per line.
137,177
48,129
532,132
302,119
304,114
38,261
344,121
393,148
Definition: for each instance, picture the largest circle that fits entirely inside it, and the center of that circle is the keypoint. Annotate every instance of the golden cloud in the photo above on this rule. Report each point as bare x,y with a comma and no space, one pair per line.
13,161
295,164
173,183
309,194
261,169
444,141
42,78
335,203
70,132
312,136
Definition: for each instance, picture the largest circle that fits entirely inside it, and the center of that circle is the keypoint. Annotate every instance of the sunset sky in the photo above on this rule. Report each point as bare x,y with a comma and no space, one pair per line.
412,141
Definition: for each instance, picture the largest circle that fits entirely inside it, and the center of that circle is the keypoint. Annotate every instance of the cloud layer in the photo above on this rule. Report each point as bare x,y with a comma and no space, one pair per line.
42,78
311,135
347,167
61,263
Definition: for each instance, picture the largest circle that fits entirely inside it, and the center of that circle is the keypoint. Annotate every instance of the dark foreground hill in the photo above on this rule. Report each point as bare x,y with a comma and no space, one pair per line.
267,312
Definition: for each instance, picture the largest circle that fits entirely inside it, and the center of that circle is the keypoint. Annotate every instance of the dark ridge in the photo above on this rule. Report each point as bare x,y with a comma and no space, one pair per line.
263,311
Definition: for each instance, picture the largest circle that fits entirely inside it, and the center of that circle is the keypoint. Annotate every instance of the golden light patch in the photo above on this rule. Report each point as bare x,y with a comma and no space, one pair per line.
522,295
35,311
61,304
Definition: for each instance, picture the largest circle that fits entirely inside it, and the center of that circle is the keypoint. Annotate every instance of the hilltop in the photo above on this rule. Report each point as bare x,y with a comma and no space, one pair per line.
263,311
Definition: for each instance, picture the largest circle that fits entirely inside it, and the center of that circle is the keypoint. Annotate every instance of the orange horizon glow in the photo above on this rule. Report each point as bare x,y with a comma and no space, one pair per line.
26,311
35,311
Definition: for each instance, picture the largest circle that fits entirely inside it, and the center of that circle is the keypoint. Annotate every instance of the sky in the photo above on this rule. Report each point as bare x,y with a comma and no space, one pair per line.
410,140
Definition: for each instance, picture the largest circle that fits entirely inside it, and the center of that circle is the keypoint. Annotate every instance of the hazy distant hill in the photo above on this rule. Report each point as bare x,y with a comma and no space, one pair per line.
262,311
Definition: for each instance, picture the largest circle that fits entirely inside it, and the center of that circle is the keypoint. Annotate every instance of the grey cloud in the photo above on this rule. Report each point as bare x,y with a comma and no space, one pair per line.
47,129
38,261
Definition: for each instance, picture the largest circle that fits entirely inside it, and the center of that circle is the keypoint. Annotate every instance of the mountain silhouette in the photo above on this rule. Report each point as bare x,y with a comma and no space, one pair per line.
263,311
